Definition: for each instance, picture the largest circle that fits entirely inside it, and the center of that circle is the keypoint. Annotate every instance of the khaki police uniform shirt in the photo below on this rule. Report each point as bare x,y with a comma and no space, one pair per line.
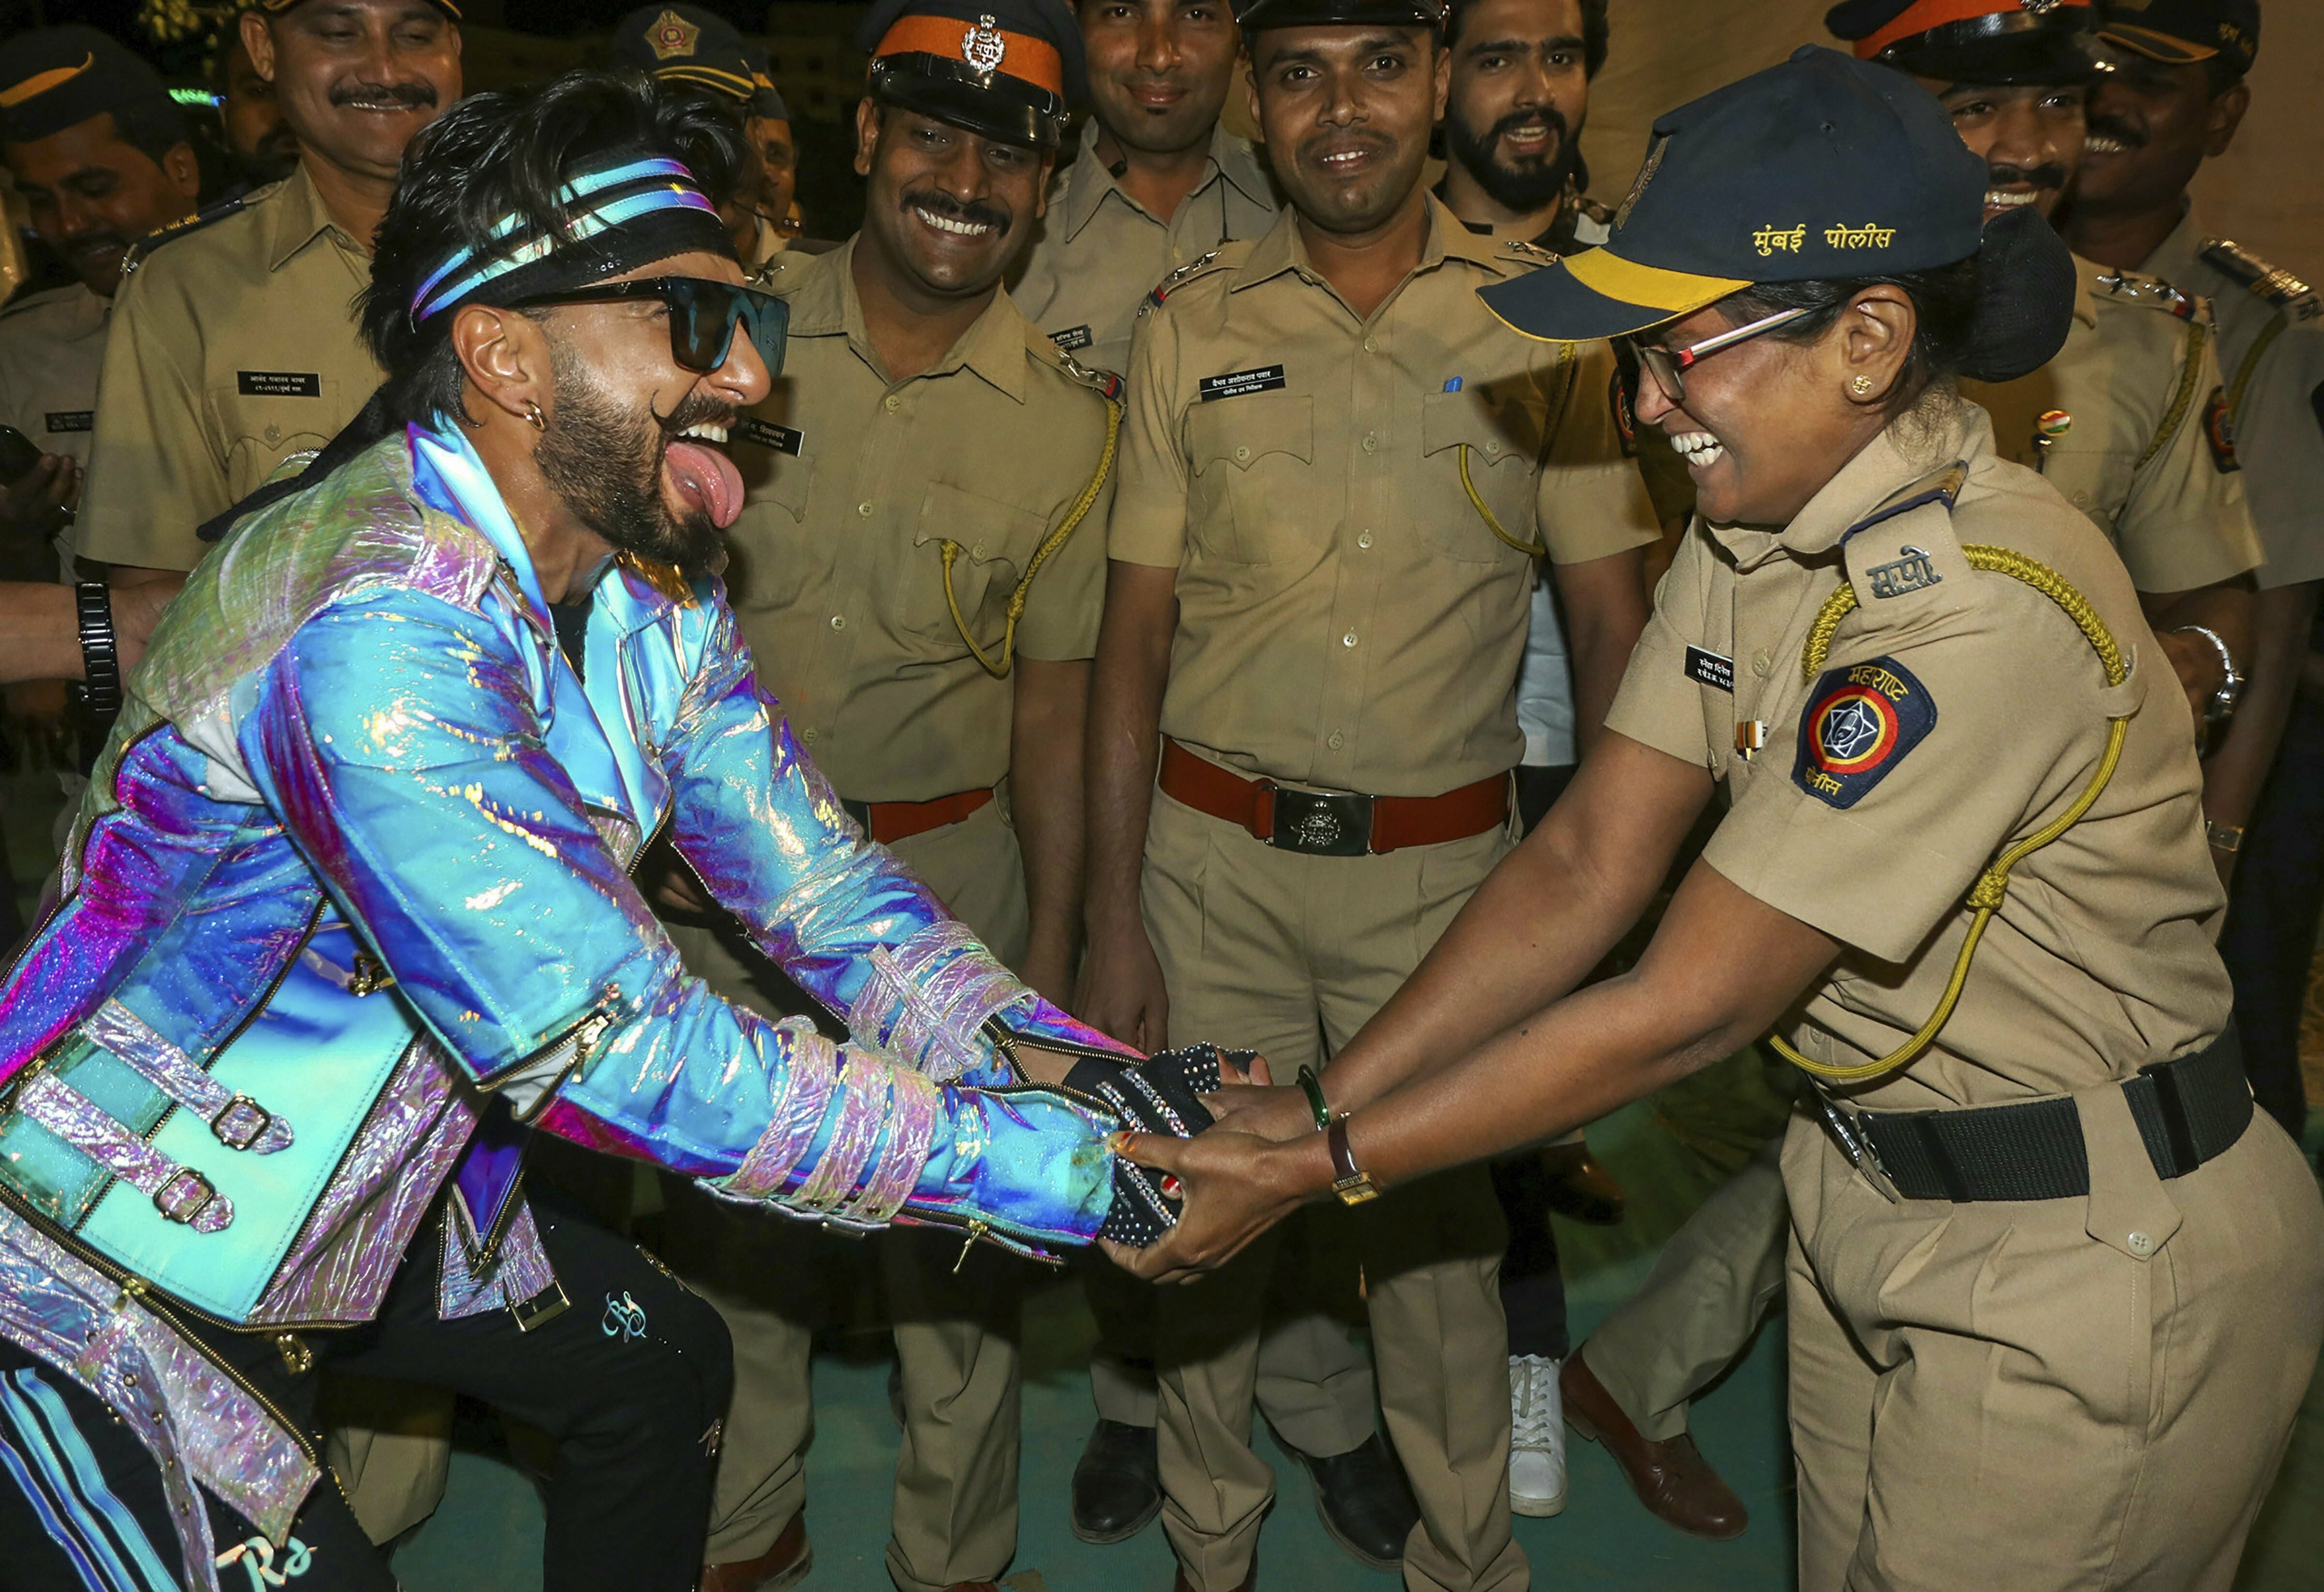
1959,711
51,345
1099,251
856,481
2126,397
235,348
2271,351
1346,619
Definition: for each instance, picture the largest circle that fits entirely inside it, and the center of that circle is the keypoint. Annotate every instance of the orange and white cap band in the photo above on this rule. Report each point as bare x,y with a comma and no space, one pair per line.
1936,13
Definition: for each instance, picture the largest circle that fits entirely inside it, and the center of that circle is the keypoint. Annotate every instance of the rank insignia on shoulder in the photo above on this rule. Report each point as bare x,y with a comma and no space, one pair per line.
1858,723
1104,384
1909,571
2279,288
1524,249
2152,291
2218,430
171,231
1168,284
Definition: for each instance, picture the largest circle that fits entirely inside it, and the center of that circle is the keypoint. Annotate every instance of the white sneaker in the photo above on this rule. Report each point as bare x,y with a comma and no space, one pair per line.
1536,1437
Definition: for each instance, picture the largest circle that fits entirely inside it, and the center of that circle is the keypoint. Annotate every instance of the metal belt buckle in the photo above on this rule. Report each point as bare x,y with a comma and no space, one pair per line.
542,1307
241,1122
185,1196
1321,824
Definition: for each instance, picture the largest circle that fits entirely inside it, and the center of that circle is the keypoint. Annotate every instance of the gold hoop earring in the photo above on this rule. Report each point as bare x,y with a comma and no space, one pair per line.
1860,385
540,423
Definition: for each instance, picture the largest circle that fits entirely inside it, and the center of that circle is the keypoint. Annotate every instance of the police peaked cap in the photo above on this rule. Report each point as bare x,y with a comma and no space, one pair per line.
1007,69
1976,41
2182,32
1252,15
51,78
686,44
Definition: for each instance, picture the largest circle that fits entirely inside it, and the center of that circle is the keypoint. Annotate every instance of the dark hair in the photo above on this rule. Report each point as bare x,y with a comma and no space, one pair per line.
507,154
1594,31
152,126
1944,309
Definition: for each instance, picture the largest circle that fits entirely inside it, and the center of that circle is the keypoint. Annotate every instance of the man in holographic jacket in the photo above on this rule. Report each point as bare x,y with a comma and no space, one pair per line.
348,913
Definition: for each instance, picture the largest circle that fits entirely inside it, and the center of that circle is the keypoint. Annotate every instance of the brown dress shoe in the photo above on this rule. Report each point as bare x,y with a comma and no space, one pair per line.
1580,1187
1179,1583
786,1564
1673,1479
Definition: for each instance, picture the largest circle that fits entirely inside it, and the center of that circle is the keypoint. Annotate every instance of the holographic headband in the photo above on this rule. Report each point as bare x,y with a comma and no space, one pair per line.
630,209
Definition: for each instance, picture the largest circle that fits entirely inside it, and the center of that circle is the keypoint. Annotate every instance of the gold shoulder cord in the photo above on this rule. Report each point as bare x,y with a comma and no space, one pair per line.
1993,884
1056,539
2260,345
2183,400
1565,357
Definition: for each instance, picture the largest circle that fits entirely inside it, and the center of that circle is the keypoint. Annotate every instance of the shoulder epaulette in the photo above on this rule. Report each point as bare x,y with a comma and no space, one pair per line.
2129,287
1524,249
1104,384
184,227
2279,288
1170,284
1939,486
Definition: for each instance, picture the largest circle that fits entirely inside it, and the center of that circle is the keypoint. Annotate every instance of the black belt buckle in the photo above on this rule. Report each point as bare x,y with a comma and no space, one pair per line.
1321,824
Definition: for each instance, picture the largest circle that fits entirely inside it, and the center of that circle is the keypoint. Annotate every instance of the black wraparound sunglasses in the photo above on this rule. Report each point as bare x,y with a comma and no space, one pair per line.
703,315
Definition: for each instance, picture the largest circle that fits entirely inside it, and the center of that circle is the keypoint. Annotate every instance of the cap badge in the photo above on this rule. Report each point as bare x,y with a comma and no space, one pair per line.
1646,175
2039,7
672,34
983,47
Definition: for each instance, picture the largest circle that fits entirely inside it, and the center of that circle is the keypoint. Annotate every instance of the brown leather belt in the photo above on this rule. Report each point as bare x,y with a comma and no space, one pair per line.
889,822
1331,823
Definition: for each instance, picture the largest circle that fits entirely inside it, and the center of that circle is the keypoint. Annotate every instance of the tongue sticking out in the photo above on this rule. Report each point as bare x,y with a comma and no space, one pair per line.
706,478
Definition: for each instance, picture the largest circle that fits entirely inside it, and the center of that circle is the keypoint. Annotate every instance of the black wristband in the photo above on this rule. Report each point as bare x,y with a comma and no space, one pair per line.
100,651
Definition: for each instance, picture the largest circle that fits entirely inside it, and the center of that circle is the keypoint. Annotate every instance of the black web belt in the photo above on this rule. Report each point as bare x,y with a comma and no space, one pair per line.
2188,1111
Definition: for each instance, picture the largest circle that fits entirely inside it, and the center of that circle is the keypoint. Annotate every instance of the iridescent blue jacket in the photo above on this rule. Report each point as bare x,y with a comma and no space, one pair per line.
356,862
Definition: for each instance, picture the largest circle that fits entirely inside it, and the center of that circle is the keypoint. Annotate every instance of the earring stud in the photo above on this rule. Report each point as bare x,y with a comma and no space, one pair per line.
1860,385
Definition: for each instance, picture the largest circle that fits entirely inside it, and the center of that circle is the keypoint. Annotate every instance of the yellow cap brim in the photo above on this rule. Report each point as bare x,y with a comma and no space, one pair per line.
1599,294
2156,46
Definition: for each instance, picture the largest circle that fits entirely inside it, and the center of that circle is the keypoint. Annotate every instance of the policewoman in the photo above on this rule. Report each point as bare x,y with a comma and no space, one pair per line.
2055,1290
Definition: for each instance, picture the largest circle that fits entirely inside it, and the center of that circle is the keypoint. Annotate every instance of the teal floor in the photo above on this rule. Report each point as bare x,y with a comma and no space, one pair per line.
1668,1152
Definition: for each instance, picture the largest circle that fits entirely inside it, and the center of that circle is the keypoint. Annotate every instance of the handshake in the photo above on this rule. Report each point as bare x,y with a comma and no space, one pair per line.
1163,1095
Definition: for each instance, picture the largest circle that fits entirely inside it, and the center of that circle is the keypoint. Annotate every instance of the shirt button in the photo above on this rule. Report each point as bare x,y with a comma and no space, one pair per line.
807,736
1365,539
1336,741
1763,663
863,510
891,403
274,434
1370,346
838,621
1492,448
1349,640
1371,442
977,551
2141,1243
1243,455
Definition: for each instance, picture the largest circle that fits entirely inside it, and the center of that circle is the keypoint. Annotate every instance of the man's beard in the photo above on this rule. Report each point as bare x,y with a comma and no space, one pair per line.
1532,184
605,464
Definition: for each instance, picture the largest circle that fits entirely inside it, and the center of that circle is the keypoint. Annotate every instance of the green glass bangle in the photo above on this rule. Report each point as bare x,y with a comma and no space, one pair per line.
1314,1088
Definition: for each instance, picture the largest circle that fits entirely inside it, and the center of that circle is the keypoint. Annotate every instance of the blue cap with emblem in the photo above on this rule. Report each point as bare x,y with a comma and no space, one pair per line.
686,44
2181,32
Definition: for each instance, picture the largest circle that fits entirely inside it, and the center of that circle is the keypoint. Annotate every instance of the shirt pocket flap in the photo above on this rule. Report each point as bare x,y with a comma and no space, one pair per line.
1242,431
988,529
1496,429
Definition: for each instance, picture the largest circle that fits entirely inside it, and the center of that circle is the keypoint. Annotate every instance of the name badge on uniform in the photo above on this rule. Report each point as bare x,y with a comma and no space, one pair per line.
279,383
1238,384
1858,723
1073,339
72,420
765,434
1707,668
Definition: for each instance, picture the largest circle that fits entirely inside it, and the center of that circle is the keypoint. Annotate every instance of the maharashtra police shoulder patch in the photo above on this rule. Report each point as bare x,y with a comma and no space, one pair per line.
1858,723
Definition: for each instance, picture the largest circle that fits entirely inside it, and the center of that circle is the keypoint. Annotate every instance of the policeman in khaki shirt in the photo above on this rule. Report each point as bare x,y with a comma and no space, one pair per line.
919,568
1159,181
235,346
2055,1289
1337,470
2178,99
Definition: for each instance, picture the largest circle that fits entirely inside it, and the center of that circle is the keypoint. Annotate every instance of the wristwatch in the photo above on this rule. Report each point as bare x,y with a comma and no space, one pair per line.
100,651
1348,1182
2222,705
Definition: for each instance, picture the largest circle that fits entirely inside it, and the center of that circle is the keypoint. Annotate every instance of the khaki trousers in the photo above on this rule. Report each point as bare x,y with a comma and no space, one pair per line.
1293,954
389,1444
1713,1282
2009,1395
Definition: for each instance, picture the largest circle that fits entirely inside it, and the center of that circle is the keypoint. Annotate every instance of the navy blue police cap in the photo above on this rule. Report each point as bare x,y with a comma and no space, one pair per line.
1821,169
52,79
1252,15
1991,42
2182,32
1008,69
686,44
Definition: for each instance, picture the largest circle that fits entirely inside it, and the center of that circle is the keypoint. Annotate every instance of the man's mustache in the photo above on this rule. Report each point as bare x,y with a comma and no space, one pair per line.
698,408
2038,177
2119,129
413,95
968,212
1541,116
